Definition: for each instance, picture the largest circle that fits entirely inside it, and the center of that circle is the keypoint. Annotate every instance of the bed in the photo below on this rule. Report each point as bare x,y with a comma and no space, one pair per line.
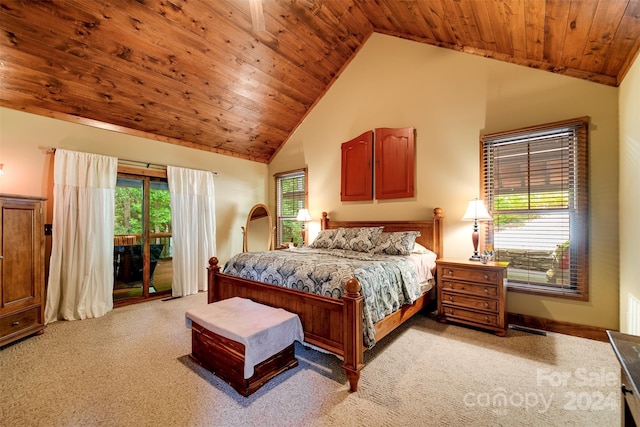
332,324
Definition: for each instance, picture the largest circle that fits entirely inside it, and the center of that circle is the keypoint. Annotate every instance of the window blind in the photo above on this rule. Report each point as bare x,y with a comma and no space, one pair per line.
535,186
291,197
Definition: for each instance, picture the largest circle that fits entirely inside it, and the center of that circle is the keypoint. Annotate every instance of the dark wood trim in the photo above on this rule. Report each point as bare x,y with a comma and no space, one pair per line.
558,326
129,170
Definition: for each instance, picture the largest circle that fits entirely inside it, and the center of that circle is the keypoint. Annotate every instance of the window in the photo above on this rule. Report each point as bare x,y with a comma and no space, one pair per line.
291,196
535,186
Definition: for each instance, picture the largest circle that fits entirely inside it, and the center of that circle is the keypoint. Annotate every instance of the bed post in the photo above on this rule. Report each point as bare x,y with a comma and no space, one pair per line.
438,234
353,342
212,270
324,221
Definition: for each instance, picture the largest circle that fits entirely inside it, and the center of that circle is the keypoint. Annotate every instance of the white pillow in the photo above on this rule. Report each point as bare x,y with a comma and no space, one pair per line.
419,249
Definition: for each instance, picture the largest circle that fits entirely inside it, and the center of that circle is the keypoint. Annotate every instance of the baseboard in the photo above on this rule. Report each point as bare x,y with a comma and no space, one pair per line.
574,329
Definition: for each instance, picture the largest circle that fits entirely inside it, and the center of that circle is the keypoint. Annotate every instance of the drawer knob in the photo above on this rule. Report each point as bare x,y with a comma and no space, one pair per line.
486,291
451,285
625,390
16,323
486,277
451,299
486,318
450,311
450,272
486,305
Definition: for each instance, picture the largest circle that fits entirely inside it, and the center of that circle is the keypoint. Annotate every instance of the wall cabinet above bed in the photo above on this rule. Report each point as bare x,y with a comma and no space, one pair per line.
357,168
395,163
394,159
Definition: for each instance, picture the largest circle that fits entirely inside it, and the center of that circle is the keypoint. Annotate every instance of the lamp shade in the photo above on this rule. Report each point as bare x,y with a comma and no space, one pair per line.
303,215
476,211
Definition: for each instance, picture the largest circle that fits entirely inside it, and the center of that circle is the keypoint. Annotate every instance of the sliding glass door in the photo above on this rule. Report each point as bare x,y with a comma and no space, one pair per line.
142,244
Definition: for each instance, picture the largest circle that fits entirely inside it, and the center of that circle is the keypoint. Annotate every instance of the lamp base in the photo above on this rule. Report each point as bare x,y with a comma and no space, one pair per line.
475,257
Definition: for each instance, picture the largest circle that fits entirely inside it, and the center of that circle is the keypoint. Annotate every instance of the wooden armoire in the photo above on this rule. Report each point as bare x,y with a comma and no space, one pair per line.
21,267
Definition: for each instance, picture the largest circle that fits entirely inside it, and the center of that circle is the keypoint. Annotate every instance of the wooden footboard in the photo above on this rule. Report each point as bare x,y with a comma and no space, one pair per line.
335,325
328,323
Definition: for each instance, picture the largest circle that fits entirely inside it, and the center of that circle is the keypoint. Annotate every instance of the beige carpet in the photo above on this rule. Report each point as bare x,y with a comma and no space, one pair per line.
131,368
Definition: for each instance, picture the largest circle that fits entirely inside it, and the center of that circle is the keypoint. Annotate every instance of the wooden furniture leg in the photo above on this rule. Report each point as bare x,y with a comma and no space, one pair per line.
353,343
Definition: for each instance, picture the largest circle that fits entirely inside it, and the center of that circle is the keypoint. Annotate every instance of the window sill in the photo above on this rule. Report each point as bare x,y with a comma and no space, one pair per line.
547,291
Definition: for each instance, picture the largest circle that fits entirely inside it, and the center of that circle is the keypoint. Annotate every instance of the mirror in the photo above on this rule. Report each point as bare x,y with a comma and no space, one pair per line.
258,233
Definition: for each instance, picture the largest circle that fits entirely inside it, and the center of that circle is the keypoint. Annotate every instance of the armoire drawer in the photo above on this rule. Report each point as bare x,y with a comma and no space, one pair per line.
17,322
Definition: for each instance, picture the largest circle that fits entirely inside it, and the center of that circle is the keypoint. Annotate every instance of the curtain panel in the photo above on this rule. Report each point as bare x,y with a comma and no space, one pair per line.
194,228
81,269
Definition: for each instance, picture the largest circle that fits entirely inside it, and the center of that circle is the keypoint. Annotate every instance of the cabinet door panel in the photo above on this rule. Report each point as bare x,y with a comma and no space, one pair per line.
357,170
395,163
18,255
21,250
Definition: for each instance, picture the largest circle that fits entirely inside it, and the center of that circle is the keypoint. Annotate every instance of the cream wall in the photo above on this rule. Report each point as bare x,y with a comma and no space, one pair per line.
26,138
629,195
451,98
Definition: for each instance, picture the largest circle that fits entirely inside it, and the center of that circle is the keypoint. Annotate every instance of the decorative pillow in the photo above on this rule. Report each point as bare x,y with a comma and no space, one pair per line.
324,239
396,243
358,239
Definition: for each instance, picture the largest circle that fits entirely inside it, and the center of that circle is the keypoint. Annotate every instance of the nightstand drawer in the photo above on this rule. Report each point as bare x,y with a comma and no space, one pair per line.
470,288
478,276
481,318
17,322
450,298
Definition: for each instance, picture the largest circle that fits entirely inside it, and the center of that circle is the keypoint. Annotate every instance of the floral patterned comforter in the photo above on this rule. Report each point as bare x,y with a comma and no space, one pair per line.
388,282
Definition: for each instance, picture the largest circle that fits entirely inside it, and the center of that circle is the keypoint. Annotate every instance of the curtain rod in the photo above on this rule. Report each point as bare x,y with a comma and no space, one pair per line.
145,164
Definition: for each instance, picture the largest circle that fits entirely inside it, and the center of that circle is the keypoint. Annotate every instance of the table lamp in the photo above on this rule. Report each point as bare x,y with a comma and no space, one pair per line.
303,216
476,211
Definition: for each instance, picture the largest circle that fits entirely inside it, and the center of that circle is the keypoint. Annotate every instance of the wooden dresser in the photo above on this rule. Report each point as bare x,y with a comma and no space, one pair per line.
473,293
627,349
21,267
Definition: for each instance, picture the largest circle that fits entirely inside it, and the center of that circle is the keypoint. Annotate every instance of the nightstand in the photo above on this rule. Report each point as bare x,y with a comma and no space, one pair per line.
473,293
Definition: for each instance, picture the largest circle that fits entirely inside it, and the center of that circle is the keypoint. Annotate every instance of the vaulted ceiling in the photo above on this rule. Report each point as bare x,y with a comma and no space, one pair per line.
236,77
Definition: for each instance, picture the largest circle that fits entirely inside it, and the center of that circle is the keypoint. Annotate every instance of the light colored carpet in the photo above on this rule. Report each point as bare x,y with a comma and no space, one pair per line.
131,368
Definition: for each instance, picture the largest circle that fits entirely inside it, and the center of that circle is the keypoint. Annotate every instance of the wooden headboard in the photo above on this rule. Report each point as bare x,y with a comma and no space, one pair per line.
431,231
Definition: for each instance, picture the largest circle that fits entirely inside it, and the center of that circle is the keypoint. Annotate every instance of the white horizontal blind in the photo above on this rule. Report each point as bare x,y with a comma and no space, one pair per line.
291,197
535,186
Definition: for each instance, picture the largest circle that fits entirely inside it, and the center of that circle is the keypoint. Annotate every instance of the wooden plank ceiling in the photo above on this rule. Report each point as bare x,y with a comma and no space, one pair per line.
205,74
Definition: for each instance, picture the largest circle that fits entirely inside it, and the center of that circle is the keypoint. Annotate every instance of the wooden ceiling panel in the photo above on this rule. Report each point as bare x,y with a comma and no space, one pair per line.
534,29
626,41
577,32
604,24
237,77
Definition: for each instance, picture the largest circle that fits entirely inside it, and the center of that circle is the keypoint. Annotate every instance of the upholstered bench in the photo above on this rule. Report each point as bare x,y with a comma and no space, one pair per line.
242,342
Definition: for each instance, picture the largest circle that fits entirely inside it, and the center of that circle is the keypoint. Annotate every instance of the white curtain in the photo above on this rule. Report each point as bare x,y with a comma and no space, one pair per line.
81,270
193,228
